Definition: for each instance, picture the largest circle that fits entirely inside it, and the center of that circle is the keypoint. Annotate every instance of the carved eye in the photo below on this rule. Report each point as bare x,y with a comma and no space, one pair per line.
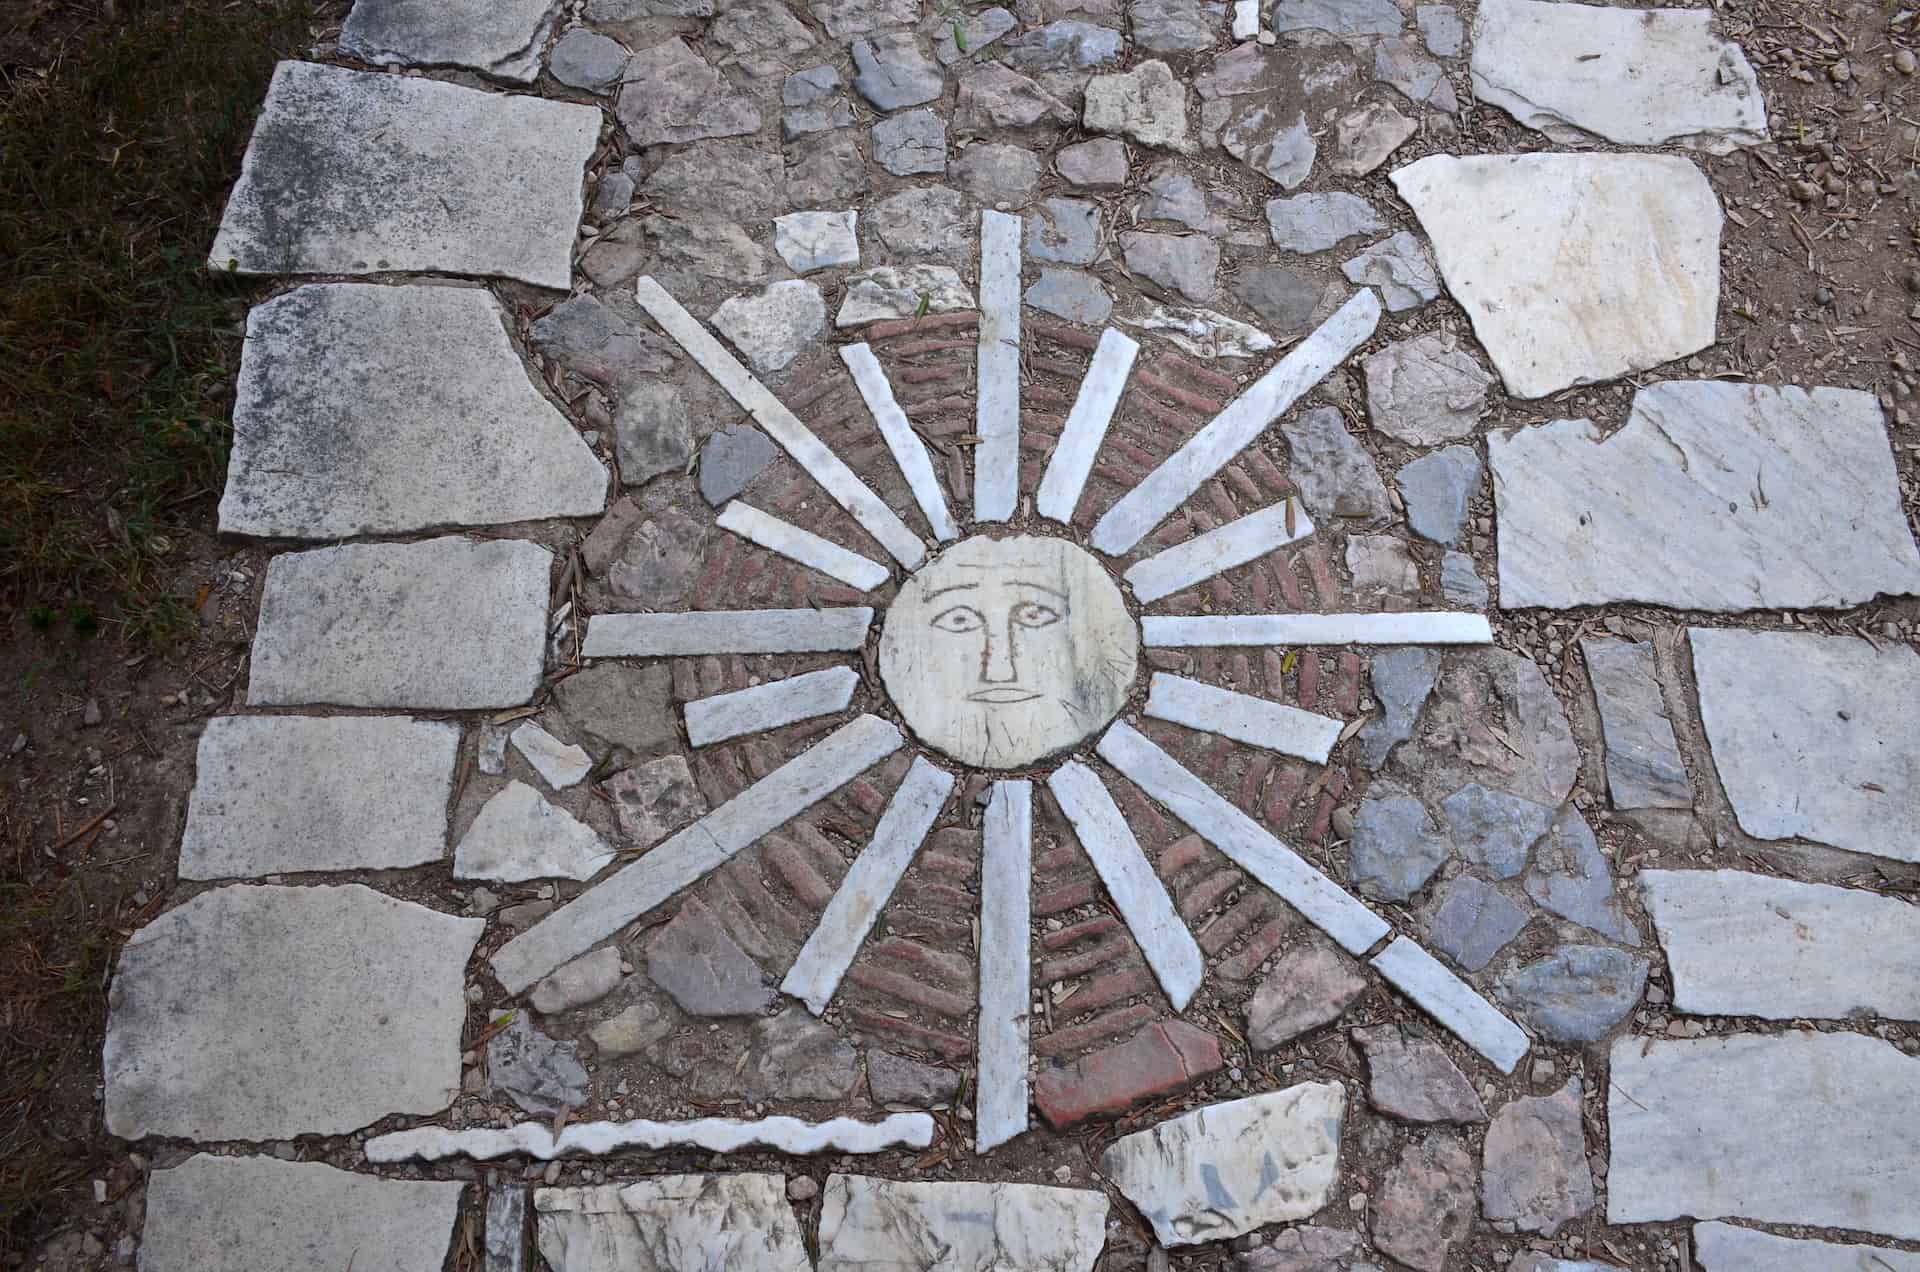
1034,614
961,618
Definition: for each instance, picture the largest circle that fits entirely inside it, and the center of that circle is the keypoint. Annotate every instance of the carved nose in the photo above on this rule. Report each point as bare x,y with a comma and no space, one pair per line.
997,667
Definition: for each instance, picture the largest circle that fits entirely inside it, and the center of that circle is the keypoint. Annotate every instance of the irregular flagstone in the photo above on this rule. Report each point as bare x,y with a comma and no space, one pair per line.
1713,497
899,291
518,836
703,969
1202,332
892,71
1335,474
991,97
588,60
730,460
262,1013
895,1080
1183,263
1435,489
1473,922
587,979
1636,77
998,176
1644,768
1069,294
1316,222
369,409
448,623
868,1224
1412,1078
673,1223
1173,26
1395,847
283,794
652,432
1291,301
1814,736
1426,390
1536,1174
1402,680
1577,993
619,706
1400,267
1571,878
672,94
1424,1206
1721,1247
588,337
1574,268
1146,103
1310,987
972,34
1440,27
500,37
1337,17
559,764
1533,757
542,1075
911,143
1368,136
1742,944
774,325
1382,563
1226,1169
1460,584
1159,1061
1064,230
351,172
657,797
259,1214
1845,1105
1305,1248
601,1139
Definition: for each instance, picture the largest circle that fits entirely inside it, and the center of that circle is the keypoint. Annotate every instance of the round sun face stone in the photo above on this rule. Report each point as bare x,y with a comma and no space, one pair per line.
1000,652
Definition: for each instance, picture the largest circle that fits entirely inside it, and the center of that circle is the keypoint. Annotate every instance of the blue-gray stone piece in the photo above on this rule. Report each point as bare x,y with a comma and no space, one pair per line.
1062,46
540,1074
1441,28
1473,922
1435,489
1064,231
1396,847
1337,17
1460,583
1571,879
1402,679
1070,294
892,72
1493,828
1577,993
731,460
587,60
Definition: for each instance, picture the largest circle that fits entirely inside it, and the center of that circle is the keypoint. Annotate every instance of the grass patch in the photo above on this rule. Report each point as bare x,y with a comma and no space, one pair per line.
118,143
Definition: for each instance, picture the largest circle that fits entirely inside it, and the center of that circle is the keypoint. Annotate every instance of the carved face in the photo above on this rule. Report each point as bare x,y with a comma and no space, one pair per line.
1002,651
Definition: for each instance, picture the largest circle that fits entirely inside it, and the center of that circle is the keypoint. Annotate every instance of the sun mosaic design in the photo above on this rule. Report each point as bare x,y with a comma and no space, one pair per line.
1006,650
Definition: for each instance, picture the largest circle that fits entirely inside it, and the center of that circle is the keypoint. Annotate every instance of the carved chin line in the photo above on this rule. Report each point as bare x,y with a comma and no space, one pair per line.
1002,695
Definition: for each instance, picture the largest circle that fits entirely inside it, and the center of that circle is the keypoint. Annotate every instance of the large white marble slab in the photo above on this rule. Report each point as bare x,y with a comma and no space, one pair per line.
1814,737
1321,901
1802,1128
1162,491
1420,627
783,426
909,452
793,631
804,546
671,1223
1721,1247
869,884
1242,540
1006,903
1452,1002
1065,478
769,706
352,172
880,1225
1255,721
602,1139
1137,892
996,459
284,794
450,624
688,856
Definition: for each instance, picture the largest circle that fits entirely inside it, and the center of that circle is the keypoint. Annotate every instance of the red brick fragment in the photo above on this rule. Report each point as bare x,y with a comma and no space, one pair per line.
1159,1061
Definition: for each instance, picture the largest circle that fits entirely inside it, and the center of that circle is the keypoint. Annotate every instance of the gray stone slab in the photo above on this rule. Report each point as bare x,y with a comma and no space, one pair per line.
672,1223
1395,846
1435,489
910,143
1186,264
587,979
1577,993
1460,583
450,623
999,176
1400,267
542,1075
775,325
769,706
587,60
1644,768
501,38
559,764
1715,496
259,1214
369,409
518,836
703,969
869,1224
1494,828
1440,27
816,240
689,855
1412,1078
1315,222
1335,474
673,95
1225,1169
1401,679
892,71
1814,736
258,1013
899,292
1635,77
1338,17
1426,390
1006,904
284,794
971,34
726,632
1147,103
1571,878
1698,1128
1574,268
1536,1175
1742,944
484,184
1721,1247
1452,1002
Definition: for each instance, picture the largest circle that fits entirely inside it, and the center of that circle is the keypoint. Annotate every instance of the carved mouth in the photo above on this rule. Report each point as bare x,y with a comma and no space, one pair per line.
1005,694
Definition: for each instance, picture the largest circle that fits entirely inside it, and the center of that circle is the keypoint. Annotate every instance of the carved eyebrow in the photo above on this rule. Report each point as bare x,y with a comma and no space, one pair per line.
1040,587
953,587
1002,565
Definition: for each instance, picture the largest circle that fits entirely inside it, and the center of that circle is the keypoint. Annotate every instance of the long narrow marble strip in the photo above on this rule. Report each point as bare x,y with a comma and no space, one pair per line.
1136,890
816,974
783,426
768,706
1217,551
1419,627
1255,721
909,452
996,460
797,631
599,1139
1318,898
1452,1002
1006,904
688,856
804,546
1106,379
1213,447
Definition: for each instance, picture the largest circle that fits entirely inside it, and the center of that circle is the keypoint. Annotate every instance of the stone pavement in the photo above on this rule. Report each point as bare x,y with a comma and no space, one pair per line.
903,638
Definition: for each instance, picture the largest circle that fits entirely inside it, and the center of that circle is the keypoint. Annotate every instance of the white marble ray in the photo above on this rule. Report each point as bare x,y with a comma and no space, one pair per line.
599,1139
769,706
909,452
996,460
1136,890
1319,899
795,631
782,425
1244,718
688,856
804,546
1419,627
1106,379
1218,551
1006,904
1452,1002
1164,489
815,975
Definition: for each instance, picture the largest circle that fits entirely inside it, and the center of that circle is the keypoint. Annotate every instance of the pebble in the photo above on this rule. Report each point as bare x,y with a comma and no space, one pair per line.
1904,62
